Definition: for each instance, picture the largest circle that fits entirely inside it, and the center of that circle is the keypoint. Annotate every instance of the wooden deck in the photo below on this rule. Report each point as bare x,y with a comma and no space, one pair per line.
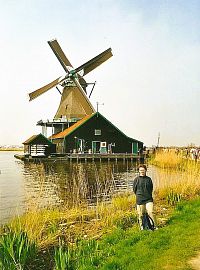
82,157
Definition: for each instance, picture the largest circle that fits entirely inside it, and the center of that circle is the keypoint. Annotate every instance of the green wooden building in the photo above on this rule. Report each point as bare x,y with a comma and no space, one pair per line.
94,134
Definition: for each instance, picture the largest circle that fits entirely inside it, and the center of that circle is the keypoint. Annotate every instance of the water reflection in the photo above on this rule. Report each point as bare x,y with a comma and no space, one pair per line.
28,185
69,183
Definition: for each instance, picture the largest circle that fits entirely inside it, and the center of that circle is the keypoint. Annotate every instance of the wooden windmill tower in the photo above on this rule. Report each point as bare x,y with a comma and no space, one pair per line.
74,103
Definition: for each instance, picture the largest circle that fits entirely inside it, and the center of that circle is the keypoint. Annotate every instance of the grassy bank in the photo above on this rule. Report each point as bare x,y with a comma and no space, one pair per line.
74,228
106,236
170,247
45,227
125,247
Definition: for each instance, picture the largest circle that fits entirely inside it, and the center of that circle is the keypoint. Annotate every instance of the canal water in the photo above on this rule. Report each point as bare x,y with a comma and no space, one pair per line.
27,185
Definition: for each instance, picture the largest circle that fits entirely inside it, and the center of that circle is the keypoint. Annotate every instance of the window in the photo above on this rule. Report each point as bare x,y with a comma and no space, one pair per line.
97,132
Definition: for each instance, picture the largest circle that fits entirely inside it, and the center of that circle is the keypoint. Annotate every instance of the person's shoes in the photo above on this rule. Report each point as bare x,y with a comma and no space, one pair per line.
155,228
141,228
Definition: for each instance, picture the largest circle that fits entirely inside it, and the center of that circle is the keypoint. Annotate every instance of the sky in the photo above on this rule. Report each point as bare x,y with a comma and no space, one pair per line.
150,86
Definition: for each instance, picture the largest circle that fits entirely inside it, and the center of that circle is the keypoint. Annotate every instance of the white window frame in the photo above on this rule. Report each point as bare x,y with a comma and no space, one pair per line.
97,132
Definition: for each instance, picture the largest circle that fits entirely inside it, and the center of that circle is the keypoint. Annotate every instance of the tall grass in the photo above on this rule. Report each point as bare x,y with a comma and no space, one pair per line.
62,257
45,226
167,160
15,250
79,228
178,178
84,252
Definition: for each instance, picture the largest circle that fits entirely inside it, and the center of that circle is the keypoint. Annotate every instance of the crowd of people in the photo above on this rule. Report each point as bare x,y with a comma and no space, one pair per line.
193,153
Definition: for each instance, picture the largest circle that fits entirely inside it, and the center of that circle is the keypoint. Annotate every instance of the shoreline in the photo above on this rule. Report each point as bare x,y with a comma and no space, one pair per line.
11,149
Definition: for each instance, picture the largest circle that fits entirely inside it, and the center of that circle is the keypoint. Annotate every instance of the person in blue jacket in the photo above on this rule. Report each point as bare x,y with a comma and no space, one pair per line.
143,188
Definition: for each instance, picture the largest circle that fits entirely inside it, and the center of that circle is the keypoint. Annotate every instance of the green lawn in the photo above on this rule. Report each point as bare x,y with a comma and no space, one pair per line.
170,247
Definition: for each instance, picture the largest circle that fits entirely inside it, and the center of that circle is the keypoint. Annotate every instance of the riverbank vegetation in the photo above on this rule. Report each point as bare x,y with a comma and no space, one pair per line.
179,177
174,159
45,226
105,235
122,247
167,159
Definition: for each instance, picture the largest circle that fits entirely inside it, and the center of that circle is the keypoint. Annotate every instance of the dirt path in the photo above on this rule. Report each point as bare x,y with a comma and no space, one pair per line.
195,262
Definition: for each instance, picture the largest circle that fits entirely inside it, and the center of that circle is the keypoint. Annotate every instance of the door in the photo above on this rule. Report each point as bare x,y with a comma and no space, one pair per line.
134,148
95,147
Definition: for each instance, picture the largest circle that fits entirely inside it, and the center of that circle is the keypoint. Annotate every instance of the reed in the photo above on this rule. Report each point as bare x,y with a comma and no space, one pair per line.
63,257
83,221
180,178
84,252
15,250
167,160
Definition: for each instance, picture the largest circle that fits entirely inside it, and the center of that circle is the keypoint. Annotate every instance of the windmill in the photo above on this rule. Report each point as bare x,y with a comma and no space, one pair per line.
74,101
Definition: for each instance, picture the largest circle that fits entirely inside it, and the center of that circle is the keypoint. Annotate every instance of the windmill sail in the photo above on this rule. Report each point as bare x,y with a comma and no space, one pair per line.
74,102
64,61
44,89
95,62
60,54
